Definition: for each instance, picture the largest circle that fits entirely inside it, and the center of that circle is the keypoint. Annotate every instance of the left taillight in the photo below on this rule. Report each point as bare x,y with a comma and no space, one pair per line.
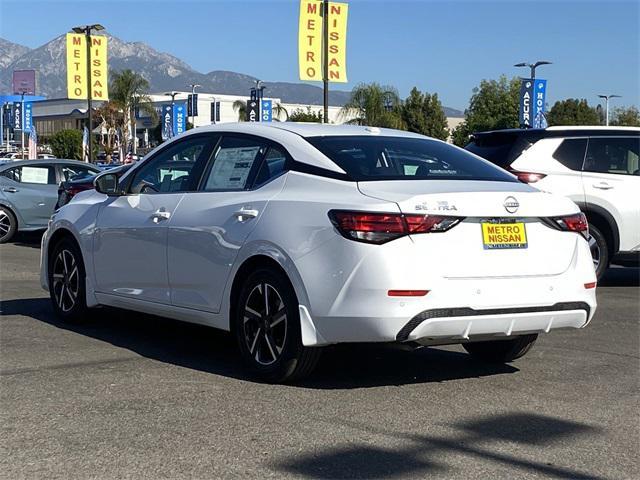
573,223
379,228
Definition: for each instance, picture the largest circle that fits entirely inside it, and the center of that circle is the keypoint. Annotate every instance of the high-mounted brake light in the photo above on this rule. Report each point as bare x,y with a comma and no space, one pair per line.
573,223
378,228
529,177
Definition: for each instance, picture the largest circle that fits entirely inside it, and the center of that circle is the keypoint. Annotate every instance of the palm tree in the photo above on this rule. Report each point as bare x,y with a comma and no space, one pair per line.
278,110
130,91
374,105
240,106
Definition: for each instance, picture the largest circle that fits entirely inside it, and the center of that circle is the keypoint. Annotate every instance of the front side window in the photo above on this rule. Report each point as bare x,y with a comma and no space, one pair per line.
617,155
570,153
40,175
234,161
174,169
366,158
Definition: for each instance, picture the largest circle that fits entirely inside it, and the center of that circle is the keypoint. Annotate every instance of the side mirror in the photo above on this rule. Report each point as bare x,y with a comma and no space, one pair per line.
107,183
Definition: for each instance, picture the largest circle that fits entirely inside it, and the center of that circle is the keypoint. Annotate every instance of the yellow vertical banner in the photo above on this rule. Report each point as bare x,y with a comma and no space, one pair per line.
338,41
310,40
99,73
77,67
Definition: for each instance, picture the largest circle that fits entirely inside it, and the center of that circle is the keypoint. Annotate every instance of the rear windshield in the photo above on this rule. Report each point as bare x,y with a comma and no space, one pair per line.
500,149
367,158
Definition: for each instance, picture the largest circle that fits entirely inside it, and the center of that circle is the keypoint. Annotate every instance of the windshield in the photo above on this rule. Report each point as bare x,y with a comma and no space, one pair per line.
367,158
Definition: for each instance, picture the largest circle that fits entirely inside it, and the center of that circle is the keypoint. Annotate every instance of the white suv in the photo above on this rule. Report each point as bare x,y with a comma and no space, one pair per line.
597,167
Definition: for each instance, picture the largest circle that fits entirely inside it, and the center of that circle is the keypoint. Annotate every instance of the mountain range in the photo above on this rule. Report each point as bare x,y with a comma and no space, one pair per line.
163,71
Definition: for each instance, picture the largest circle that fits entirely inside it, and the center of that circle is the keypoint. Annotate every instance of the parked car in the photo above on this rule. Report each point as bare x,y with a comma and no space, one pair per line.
69,188
597,167
29,192
296,236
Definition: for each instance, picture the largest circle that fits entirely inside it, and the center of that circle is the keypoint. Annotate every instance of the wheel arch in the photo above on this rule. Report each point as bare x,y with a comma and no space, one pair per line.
605,222
14,212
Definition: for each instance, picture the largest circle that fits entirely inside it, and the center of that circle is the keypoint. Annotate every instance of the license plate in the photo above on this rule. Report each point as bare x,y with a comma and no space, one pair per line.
504,235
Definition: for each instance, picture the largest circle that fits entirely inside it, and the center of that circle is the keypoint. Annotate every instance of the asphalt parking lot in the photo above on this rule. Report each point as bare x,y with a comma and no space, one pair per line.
134,396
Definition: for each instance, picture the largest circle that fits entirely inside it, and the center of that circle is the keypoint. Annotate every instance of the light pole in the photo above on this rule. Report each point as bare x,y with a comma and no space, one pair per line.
193,102
606,99
87,33
532,66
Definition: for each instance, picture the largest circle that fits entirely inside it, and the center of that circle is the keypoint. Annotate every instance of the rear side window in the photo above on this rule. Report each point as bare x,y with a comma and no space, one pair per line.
366,158
570,153
618,155
234,161
75,172
40,175
274,164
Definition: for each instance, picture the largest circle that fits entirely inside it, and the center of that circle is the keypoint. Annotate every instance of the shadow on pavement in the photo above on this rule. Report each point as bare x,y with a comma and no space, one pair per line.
28,239
621,277
210,350
420,455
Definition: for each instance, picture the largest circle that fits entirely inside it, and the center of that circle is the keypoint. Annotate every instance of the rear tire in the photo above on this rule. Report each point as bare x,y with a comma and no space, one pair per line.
501,351
267,329
67,282
8,224
599,251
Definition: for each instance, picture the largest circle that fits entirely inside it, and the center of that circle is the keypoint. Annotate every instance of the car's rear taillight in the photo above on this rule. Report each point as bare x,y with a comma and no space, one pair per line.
573,223
378,228
528,177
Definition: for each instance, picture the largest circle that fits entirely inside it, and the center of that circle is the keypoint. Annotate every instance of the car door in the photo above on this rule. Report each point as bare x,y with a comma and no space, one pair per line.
32,191
210,226
130,242
611,180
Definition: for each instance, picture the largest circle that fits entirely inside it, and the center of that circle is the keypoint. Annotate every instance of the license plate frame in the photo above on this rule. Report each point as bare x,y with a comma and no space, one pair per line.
504,235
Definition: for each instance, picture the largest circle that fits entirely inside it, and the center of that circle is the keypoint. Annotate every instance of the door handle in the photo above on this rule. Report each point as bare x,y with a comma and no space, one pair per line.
10,189
160,215
602,186
245,214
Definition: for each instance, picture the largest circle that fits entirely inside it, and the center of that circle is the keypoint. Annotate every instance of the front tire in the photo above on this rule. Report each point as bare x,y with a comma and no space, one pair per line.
67,281
8,224
501,351
599,251
267,329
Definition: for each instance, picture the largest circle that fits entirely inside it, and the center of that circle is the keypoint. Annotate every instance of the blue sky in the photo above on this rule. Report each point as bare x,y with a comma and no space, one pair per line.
439,46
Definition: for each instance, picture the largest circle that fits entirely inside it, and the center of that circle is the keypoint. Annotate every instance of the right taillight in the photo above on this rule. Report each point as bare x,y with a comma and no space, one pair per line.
573,223
528,177
378,228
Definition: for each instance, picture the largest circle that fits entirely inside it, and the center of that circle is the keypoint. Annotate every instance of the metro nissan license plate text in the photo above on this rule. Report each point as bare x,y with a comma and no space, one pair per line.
504,235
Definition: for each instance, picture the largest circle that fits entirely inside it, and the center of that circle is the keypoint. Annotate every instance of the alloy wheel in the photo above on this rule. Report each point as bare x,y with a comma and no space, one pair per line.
66,280
265,324
595,252
5,224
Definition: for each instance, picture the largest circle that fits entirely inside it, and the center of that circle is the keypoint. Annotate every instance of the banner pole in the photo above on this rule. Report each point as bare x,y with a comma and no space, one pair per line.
22,122
88,37
325,59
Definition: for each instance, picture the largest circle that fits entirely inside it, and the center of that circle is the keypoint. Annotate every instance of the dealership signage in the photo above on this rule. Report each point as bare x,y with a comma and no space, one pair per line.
167,122
532,102
253,111
27,116
179,118
310,40
192,105
24,82
77,84
16,118
266,111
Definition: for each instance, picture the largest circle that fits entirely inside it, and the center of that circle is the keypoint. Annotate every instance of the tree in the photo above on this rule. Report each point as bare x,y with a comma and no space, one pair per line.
493,105
67,144
299,115
572,112
130,91
423,113
278,111
628,117
374,105
240,107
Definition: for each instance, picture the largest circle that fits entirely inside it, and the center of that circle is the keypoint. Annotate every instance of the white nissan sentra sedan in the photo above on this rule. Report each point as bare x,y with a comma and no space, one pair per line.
296,236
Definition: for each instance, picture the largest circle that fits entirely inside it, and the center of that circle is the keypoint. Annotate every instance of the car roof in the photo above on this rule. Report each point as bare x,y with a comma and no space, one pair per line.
560,131
46,161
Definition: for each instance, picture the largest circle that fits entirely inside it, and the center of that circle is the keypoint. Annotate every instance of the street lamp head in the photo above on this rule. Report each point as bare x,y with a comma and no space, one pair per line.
542,62
521,64
97,27
78,29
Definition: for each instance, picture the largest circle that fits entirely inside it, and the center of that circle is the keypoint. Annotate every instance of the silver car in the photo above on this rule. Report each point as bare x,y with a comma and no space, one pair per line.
29,192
